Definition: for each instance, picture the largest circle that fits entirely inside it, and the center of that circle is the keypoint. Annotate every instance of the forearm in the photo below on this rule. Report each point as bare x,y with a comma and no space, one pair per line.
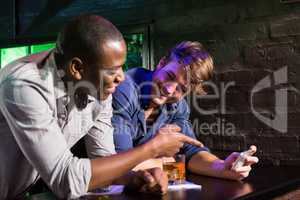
105,170
205,163
150,163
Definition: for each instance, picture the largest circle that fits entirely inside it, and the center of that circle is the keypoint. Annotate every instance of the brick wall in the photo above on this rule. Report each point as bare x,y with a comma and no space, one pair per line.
249,41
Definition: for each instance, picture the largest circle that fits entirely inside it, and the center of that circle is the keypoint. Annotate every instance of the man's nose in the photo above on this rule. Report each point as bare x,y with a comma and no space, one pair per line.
170,88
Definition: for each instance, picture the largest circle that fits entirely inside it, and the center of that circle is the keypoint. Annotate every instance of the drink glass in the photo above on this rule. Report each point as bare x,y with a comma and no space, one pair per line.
175,168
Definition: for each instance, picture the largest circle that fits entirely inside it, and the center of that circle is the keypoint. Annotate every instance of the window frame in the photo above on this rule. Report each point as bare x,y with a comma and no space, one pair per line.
145,29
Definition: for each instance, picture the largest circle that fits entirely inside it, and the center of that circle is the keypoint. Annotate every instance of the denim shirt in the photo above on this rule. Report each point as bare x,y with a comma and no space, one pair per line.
130,100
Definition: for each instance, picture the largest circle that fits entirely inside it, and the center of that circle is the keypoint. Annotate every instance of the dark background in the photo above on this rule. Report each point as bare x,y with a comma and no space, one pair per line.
248,40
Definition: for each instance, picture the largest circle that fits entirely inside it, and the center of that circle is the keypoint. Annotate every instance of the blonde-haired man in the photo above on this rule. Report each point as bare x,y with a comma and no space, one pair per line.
147,101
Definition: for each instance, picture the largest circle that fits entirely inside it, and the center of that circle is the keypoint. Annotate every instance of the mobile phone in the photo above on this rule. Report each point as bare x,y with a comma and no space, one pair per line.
240,161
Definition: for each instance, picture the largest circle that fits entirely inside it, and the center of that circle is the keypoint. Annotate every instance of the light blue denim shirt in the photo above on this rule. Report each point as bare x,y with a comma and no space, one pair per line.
129,101
37,130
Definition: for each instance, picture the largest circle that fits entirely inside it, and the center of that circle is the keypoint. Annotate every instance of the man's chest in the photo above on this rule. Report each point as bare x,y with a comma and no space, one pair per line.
73,122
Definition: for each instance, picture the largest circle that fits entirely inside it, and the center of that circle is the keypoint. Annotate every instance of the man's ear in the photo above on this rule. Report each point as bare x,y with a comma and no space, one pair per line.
76,68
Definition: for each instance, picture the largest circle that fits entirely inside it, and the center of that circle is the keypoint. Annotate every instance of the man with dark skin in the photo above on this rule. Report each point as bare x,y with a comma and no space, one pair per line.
50,100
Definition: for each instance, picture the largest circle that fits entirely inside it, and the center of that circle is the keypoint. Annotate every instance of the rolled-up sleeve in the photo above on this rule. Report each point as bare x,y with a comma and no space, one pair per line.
31,118
181,118
99,140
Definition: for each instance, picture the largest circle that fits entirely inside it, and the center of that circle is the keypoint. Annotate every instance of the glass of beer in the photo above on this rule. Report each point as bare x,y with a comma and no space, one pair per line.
175,168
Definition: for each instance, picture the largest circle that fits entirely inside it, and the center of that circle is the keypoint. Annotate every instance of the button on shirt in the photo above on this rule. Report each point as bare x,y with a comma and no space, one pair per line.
38,126
129,102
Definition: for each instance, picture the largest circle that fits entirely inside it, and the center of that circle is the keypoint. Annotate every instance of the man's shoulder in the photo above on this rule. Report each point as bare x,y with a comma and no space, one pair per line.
127,86
27,73
128,92
137,71
25,67
138,75
132,79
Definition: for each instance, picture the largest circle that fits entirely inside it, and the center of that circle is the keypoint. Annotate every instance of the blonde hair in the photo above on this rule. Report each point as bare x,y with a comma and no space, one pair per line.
195,60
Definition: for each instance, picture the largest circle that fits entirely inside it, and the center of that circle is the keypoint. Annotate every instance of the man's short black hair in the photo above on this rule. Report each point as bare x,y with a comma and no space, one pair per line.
82,37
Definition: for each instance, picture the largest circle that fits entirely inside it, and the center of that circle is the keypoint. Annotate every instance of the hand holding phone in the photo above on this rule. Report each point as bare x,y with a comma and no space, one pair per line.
240,161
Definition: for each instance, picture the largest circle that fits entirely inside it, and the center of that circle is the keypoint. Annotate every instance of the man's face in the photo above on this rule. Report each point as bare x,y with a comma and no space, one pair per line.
170,83
108,73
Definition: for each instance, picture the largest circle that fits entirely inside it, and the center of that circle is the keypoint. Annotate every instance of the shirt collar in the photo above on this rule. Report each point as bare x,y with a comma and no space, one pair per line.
60,87
60,90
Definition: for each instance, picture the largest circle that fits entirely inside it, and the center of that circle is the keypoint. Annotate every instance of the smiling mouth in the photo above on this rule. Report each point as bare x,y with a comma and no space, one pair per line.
161,96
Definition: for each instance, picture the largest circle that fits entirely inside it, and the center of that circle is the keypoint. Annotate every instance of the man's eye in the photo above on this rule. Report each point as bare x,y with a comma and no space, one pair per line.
110,72
171,76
